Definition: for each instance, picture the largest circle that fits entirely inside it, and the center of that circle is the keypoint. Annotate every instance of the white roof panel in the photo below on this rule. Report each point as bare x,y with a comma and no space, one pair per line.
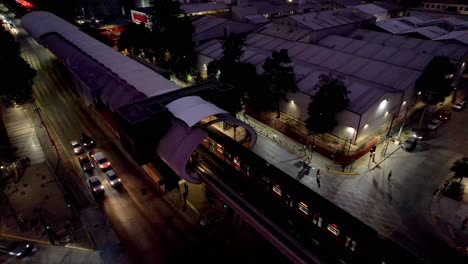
192,109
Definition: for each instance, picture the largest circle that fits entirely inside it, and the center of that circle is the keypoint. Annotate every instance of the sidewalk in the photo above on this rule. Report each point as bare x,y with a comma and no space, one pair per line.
448,215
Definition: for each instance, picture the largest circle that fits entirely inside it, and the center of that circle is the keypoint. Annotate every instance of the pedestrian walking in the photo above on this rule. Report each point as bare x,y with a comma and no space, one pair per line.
389,175
318,172
318,180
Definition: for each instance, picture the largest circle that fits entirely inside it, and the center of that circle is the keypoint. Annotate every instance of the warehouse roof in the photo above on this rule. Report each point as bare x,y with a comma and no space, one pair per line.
368,80
398,56
436,48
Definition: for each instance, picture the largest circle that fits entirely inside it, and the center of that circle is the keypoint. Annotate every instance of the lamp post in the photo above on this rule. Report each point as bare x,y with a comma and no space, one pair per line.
351,131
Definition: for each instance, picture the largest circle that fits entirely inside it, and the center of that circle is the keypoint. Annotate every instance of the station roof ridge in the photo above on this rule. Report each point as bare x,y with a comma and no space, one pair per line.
137,75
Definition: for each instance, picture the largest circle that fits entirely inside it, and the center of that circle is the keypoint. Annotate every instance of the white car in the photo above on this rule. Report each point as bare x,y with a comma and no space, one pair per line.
101,161
435,123
459,106
95,184
77,148
112,178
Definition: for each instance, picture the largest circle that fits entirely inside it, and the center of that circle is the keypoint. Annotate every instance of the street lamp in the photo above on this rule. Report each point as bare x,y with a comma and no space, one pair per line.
351,132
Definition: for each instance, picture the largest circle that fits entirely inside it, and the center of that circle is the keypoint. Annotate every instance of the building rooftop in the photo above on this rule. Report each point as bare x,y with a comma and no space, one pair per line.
460,36
435,48
202,7
329,19
430,32
284,31
367,79
401,57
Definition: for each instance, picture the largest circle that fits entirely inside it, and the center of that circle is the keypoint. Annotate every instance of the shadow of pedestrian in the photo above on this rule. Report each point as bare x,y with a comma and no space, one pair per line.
390,191
300,174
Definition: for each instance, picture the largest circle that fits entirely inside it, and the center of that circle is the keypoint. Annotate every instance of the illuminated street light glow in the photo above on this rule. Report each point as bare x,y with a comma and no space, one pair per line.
404,102
292,101
419,93
366,125
383,104
350,129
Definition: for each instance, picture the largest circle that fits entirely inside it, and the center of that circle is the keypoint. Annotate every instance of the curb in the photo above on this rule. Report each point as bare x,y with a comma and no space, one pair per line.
42,242
343,173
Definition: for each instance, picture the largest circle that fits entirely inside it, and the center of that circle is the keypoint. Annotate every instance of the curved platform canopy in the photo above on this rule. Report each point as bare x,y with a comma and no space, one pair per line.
192,109
138,77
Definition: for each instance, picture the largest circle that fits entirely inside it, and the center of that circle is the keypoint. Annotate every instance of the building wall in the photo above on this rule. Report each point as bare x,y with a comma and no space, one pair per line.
461,9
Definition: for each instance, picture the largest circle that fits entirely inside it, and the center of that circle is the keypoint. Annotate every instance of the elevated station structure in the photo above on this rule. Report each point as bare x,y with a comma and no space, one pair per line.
142,104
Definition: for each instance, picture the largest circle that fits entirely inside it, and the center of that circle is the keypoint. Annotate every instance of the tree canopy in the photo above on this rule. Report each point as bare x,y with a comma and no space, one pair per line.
172,36
16,73
330,99
460,169
135,38
279,76
229,69
433,82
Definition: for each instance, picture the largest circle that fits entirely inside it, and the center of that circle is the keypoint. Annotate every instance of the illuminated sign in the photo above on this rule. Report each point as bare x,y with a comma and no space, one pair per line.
139,17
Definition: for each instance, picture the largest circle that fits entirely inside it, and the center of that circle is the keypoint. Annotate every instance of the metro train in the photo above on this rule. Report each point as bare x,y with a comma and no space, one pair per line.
312,219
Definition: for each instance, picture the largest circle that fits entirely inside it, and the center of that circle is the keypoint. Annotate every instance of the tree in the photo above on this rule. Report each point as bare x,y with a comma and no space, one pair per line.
279,76
16,73
229,69
330,99
434,83
460,169
172,36
135,37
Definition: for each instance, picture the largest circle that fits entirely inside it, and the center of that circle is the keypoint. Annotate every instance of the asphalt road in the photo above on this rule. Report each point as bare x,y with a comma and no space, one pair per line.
151,230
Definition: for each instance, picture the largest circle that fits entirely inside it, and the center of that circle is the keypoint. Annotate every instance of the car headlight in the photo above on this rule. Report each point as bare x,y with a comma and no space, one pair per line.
19,254
11,253
94,189
102,187
28,246
118,180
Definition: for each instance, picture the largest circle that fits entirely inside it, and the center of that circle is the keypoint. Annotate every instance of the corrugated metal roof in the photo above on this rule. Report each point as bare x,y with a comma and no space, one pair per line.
363,75
393,26
329,19
205,23
430,32
434,48
406,58
461,36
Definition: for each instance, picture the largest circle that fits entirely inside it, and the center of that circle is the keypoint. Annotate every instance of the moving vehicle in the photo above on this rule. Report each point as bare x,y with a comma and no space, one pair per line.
77,148
444,116
100,160
86,163
409,144
112,178
87,141
95,184
15,248
459,106
434,124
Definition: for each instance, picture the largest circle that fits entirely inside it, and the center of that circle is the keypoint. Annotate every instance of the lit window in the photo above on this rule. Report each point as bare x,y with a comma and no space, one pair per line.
353,246
237,161
277,189
303,207
333,229
219,148
319,222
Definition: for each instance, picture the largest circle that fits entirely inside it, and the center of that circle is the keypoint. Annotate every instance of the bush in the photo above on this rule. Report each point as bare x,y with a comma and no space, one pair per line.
454,191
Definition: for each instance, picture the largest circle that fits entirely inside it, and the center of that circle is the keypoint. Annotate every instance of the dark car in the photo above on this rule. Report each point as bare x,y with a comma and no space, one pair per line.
15,248
87,141
409,144
86,163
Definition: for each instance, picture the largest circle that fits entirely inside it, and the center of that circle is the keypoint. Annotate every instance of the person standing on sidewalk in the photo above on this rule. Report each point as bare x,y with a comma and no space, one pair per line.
318,179
389,175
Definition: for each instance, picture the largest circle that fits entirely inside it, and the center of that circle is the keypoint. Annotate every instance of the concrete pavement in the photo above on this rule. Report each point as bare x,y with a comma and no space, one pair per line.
366,192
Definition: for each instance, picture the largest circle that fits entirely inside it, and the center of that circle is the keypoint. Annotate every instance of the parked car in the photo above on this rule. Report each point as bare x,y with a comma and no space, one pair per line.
112,178
434,124
445,115
95,184
15,248
409,144
459,106
77,148
87,141
86,163
100,160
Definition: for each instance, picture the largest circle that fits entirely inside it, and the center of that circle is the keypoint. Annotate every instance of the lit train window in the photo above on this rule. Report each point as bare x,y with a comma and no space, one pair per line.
219,148
237,161
317,220
303,207
205,140
353,246
333,229
277,189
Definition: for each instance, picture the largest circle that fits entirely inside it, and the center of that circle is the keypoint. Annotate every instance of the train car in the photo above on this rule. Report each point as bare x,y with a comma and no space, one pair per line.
314,220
